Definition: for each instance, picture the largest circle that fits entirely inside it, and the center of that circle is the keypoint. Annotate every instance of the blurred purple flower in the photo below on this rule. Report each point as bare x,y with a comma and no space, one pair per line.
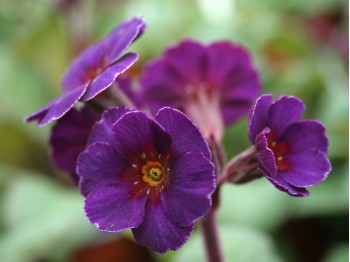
214,85
151,175
292,153
69,138
93,71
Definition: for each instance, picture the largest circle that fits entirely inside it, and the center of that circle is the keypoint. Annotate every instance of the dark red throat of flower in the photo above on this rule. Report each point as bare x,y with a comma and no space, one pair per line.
93,72
279,151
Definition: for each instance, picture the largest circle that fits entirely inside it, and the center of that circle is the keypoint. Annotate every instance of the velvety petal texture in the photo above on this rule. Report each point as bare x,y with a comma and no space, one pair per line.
110,208
159,233
69,138
101,131
292,153
137,170
93,71
213,84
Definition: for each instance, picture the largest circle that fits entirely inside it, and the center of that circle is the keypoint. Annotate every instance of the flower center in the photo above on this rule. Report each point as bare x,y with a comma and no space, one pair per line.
153,173
279,150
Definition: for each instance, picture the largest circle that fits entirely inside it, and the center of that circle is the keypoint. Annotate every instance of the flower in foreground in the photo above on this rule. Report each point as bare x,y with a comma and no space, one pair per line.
152,175
69,137
93,71
292,153
214,85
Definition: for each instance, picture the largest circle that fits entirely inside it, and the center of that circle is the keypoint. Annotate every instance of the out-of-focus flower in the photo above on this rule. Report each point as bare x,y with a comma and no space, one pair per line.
292,153
69,138
151,175
214,84
331,28
93,71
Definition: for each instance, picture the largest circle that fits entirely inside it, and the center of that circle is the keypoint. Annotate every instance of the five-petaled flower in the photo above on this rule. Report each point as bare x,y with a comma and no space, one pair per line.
292,153
93,71
214,85
152,175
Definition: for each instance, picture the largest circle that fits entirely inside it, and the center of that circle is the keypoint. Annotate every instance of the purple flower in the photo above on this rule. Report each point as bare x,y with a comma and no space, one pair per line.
151,175
93,71
292,153
69,138
214,84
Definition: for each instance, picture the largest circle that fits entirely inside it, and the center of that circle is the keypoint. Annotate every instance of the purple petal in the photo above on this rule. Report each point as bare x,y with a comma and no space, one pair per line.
102,173
102,130
189,58
39,114
57,108
241,84
192,171
86,185
107,77
257,119
98,162
69,137
283,112
264,153
224,57
192,183
159,233
112,209
162,85
136,133
305,135
189,206
186,137
307,168
88,61
121,38
234,109
103,53
280,184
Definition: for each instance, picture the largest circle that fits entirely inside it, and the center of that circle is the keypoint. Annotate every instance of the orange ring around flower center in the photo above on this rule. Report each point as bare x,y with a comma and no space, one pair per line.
153,173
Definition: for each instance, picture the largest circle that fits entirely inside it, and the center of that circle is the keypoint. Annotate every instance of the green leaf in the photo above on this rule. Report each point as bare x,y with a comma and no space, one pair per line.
40,218
339,253
239,244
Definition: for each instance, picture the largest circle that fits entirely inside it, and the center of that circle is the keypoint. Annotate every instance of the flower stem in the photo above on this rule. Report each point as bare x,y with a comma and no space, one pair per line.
211,238
208,223
242,168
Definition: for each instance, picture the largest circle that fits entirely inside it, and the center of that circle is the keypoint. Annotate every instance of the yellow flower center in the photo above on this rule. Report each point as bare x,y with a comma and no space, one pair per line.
153,173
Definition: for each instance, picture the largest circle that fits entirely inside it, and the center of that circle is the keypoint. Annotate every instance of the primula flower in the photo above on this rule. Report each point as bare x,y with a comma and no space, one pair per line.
69,138
214,85
151,175
292,153
93,71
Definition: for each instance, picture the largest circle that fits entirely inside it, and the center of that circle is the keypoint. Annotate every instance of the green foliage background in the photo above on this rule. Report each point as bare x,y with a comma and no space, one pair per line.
41,214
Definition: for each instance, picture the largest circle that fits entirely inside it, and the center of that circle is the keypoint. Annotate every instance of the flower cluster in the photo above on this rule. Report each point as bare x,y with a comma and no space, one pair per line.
159,173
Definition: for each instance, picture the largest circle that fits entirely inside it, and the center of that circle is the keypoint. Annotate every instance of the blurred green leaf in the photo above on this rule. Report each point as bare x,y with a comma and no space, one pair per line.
256,204
239,244
40,217
339,253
